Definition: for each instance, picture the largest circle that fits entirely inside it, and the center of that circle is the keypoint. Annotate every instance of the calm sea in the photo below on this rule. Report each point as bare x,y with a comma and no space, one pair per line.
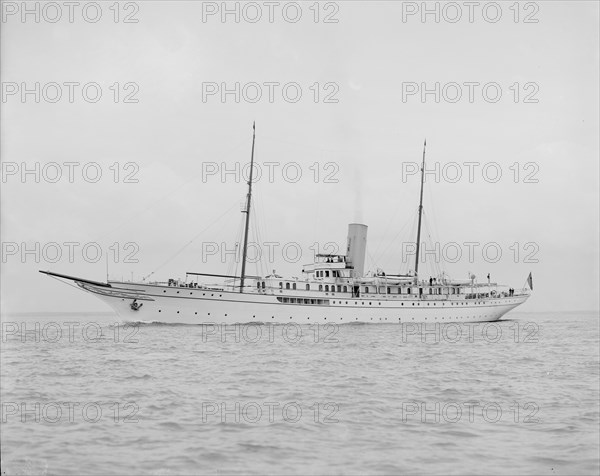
81,395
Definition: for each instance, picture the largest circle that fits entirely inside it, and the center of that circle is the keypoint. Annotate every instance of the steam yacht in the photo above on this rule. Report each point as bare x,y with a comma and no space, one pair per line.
332,289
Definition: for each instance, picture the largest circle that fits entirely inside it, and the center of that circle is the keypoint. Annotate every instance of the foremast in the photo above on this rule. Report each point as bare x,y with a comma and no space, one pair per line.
247,211
420,215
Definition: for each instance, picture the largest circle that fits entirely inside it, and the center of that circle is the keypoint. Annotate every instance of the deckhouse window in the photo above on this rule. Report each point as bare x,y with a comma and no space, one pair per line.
326,287
308,287
366,289
287,285
320,287
345,289
326,274
280,285
294,286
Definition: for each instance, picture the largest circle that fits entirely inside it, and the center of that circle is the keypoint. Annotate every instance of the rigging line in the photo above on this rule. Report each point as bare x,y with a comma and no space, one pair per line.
236,262
373,262
176,189
433,235
241,233
65,282
433,213
191,241
231,265
255,235
259,264
393,241
411,237
216,233
435,265
265,229
390,221
406,238
428,263
389,225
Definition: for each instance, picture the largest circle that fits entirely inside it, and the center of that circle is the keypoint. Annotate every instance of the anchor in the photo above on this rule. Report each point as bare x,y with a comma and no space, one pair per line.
135,306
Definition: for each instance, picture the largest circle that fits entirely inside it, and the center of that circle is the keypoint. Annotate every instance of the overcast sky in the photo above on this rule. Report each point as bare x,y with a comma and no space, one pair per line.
355,134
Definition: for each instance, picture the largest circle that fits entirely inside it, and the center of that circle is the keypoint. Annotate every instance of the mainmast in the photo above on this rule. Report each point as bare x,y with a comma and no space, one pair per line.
420,214
247,211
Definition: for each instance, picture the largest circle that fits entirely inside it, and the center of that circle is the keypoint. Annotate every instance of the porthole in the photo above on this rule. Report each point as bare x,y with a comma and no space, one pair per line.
195,313
159,310
177,312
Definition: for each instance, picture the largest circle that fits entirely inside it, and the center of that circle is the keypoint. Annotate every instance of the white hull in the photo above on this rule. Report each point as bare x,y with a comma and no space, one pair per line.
184,305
